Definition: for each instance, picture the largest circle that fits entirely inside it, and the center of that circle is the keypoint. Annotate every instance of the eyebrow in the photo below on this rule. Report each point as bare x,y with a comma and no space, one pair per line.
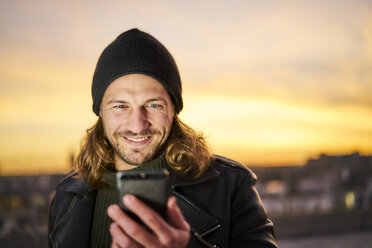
149,100
116,101
156,99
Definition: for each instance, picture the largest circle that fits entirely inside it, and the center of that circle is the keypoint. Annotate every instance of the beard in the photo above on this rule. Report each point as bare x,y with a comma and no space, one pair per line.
135,156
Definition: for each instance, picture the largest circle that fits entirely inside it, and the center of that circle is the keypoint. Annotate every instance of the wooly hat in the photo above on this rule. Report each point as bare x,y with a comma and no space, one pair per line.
133,52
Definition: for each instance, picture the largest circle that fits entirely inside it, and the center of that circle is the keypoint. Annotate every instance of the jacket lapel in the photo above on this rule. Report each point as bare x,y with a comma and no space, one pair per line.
200,221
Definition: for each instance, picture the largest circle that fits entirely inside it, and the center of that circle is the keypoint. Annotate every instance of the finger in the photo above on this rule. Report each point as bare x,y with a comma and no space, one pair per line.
118,216
166,235
114,245
119,238
175,215
131,228
148,216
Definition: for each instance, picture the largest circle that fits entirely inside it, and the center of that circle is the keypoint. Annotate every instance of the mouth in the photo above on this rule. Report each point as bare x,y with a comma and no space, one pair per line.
137,140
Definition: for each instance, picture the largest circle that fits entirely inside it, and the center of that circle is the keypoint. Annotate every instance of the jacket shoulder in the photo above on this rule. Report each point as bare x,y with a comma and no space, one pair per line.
235,166
69,178
72,206
73,183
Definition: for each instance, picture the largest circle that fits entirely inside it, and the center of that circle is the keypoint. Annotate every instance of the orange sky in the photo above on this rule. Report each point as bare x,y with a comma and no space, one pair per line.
270,83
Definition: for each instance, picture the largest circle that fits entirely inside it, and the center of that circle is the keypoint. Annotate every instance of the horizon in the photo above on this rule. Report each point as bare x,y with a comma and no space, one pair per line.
69,168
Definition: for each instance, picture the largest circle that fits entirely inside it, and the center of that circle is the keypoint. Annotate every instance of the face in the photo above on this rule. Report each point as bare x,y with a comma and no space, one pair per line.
137,115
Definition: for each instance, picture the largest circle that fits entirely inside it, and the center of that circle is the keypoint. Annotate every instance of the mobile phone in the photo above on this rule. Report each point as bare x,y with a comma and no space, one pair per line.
150,186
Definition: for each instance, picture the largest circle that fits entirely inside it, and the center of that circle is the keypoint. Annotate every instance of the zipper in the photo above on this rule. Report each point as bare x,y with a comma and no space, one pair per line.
210,230
204,242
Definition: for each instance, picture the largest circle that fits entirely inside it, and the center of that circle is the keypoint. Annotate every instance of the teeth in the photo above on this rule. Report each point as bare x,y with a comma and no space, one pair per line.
137,139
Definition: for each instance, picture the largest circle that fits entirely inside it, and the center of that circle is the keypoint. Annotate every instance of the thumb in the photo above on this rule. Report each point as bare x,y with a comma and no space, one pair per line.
175,216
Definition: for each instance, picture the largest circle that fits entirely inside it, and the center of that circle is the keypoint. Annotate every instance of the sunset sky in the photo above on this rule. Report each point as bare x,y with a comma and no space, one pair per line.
268,82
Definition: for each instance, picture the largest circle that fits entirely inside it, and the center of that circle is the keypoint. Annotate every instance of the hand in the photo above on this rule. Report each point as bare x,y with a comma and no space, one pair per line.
126,232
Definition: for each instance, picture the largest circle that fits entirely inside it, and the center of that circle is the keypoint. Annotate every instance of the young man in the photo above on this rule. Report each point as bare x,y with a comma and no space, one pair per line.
136,94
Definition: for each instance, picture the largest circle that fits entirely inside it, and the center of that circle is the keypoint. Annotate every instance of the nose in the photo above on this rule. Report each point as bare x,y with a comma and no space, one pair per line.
138,121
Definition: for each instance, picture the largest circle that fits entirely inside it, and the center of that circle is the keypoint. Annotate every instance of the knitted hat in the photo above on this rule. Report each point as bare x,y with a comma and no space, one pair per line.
133,52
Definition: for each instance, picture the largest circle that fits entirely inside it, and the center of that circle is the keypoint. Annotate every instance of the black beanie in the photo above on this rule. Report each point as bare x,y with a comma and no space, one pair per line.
132,52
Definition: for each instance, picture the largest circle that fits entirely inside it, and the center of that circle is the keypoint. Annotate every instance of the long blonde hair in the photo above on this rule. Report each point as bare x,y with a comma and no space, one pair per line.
186,151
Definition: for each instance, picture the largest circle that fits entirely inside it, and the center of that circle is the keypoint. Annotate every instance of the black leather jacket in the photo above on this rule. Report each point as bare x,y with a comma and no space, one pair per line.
222,207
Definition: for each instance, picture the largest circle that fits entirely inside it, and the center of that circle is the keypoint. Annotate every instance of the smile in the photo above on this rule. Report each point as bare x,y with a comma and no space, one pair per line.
138,139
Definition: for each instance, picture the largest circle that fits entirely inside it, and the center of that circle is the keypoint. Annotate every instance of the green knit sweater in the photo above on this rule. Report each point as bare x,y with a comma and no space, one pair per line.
100,236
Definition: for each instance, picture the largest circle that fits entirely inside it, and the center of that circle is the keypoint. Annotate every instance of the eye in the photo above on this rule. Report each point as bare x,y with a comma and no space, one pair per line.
154,106
120,106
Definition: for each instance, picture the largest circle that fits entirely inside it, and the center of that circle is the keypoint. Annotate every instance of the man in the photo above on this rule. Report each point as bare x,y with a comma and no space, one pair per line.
136,94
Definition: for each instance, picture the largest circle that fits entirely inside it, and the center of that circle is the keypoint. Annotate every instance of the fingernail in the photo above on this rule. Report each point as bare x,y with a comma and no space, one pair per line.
129,198
113,208
173,201
110,210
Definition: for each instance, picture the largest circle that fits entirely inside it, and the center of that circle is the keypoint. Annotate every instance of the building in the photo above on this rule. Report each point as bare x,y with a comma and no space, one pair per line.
24,207
328,194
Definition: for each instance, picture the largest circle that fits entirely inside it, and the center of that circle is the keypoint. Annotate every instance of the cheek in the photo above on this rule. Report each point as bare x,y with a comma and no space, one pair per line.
167,125
170,124
111,123
161,122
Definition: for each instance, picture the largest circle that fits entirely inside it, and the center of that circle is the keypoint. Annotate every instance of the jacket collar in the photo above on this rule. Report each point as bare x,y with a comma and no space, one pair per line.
75,184
178,180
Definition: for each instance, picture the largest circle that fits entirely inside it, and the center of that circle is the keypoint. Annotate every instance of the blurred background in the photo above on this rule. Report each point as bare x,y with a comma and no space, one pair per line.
282,86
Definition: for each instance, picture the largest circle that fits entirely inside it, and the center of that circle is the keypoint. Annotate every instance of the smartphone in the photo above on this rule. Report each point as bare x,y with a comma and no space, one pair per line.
150,186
